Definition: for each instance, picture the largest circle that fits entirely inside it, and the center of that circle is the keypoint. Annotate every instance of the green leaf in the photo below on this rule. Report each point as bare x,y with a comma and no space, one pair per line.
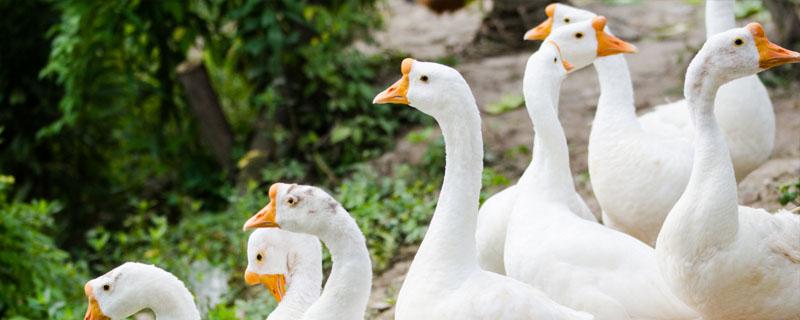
340,133
507,102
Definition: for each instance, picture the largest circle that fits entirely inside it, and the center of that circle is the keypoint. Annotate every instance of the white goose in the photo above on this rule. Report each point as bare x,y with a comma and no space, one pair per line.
309,210
724,260
493,216
133,287
290,266
742,107
636,175
444,280
578,263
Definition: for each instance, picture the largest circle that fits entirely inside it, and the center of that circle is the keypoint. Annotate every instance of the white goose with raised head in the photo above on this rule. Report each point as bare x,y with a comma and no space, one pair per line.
728,261
445,280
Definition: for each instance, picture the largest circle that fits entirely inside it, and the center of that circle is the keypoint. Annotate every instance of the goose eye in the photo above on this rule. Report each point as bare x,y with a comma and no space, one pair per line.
579,35
738,42
291,200
106,287
259,257
566,20
555,60
423,78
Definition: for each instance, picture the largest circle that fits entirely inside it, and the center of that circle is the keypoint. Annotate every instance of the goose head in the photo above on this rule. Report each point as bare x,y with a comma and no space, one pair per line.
119,293
297,208
583,42
113,295
548,59
558,15
435,89
267,260
737,53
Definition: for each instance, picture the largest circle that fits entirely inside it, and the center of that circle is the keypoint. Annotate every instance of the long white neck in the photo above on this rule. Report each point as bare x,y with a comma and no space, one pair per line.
303,284
615,108
449,248
719,16
347,290
549,171
165,295
710,199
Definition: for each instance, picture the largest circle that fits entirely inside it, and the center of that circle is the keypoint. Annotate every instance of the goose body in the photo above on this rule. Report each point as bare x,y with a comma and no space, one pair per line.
724,260
289,265
312,211
445,280
578,263
133,287
493,217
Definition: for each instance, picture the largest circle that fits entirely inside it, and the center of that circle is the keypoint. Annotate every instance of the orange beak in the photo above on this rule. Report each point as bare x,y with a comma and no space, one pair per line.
541,31
397,93
265,218
275,283
567,66
608,44
770,54
93,311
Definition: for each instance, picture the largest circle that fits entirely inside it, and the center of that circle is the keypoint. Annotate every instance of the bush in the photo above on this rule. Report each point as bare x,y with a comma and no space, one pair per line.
37,280
104,100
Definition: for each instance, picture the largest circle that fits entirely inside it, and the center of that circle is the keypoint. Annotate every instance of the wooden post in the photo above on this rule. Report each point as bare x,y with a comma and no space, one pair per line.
214,128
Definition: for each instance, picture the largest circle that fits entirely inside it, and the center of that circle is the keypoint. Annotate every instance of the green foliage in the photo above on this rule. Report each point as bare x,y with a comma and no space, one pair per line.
312,85
789,193
107,110
36,278
748,8
507,103
391,211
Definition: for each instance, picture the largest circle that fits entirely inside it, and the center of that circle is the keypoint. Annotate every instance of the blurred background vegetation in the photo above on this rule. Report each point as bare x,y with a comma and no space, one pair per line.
150,130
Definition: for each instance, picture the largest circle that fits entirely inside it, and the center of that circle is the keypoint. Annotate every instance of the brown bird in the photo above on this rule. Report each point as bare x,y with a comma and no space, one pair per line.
442,6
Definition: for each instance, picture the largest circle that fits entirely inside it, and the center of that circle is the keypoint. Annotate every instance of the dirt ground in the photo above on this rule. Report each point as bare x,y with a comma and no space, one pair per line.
667,34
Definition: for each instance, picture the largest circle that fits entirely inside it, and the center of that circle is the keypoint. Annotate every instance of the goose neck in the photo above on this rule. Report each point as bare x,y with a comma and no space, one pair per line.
615,108
449,245
711,191
549,171
719,16
303,287
170,300
347,290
